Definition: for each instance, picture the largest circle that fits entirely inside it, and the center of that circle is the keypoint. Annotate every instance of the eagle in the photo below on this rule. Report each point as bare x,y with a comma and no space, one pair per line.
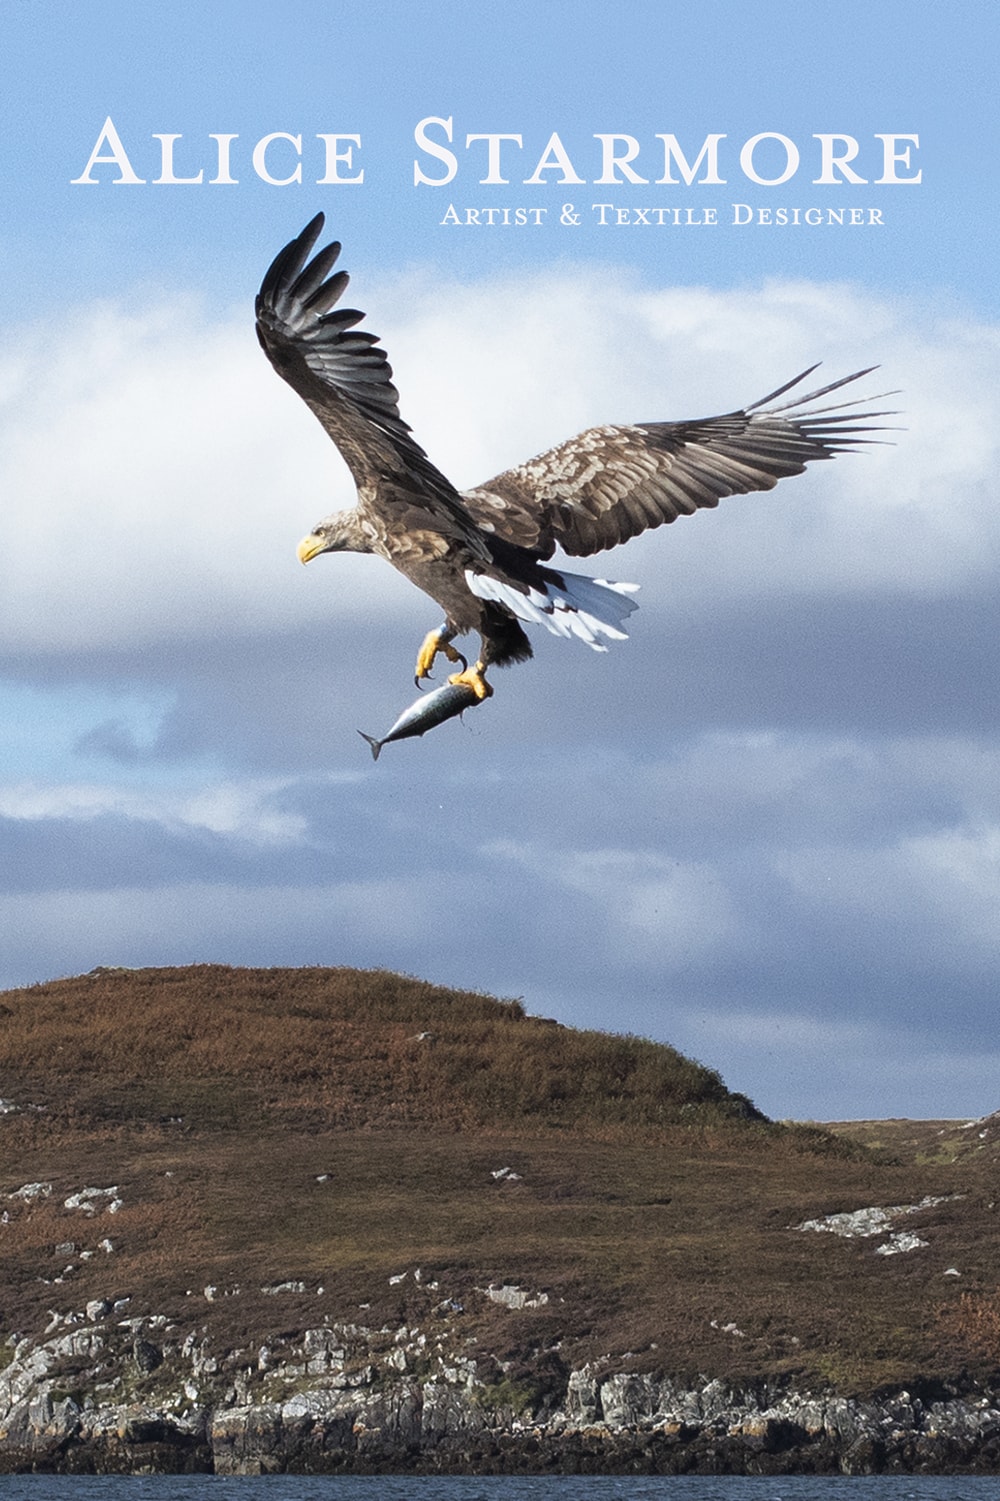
482,555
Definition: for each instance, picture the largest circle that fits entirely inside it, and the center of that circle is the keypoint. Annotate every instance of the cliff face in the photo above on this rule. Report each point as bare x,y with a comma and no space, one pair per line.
103,1393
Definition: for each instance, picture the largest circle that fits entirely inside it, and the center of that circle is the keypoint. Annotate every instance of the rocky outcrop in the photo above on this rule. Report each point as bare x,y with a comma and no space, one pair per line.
104,1393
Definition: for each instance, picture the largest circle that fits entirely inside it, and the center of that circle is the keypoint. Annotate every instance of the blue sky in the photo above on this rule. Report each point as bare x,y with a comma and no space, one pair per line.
767,828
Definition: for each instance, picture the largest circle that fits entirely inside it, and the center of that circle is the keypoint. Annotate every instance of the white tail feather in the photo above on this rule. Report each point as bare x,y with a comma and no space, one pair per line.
582,607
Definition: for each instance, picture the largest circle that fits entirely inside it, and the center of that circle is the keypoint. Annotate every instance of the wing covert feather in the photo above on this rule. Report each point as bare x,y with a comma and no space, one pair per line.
608,484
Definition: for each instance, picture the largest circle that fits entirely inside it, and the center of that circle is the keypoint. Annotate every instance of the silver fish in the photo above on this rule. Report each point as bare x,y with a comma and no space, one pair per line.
428,710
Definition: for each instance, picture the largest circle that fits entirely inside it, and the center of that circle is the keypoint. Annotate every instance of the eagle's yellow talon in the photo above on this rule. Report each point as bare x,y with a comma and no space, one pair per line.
433,643
425,656
473,678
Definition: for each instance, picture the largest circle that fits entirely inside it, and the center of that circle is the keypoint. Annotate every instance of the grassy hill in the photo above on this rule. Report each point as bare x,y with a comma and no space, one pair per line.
387,1144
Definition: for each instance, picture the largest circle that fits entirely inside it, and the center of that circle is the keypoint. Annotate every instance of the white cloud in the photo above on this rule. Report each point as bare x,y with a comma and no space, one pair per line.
158,474
838,1067
920,901
157,478
340,922
239,810
673,910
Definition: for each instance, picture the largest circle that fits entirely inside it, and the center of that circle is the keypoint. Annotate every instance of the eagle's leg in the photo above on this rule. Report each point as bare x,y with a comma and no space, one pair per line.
474,678
433,642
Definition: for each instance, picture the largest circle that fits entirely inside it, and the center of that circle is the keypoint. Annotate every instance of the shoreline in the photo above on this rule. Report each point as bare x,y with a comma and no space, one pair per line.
139,1397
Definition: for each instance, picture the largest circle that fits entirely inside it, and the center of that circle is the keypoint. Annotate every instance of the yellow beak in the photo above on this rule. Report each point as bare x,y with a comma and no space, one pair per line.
309,547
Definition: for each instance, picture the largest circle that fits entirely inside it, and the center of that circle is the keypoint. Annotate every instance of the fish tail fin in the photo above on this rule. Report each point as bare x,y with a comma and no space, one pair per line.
376,745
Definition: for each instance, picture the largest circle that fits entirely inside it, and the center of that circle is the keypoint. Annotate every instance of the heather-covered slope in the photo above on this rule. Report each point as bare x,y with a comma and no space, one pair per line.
334,1047
245,1155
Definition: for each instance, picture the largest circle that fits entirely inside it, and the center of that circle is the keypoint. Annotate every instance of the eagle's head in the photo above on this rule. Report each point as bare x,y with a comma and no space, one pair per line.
340,532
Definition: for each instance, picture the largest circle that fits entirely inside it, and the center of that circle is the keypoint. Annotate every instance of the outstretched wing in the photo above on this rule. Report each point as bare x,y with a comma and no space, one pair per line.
610,483
344,376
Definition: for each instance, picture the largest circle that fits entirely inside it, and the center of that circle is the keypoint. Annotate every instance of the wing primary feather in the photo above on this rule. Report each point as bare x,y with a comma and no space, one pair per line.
310,282
289,262
344,376
795,381
799,401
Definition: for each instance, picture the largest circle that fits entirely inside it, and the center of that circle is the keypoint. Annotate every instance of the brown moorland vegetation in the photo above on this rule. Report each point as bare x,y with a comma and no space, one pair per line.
336,1129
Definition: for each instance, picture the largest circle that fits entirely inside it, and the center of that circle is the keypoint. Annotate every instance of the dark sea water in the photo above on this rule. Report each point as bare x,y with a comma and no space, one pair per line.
534,1488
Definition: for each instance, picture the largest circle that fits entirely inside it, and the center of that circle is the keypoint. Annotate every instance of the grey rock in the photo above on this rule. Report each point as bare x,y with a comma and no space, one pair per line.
146,1355
343,1397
